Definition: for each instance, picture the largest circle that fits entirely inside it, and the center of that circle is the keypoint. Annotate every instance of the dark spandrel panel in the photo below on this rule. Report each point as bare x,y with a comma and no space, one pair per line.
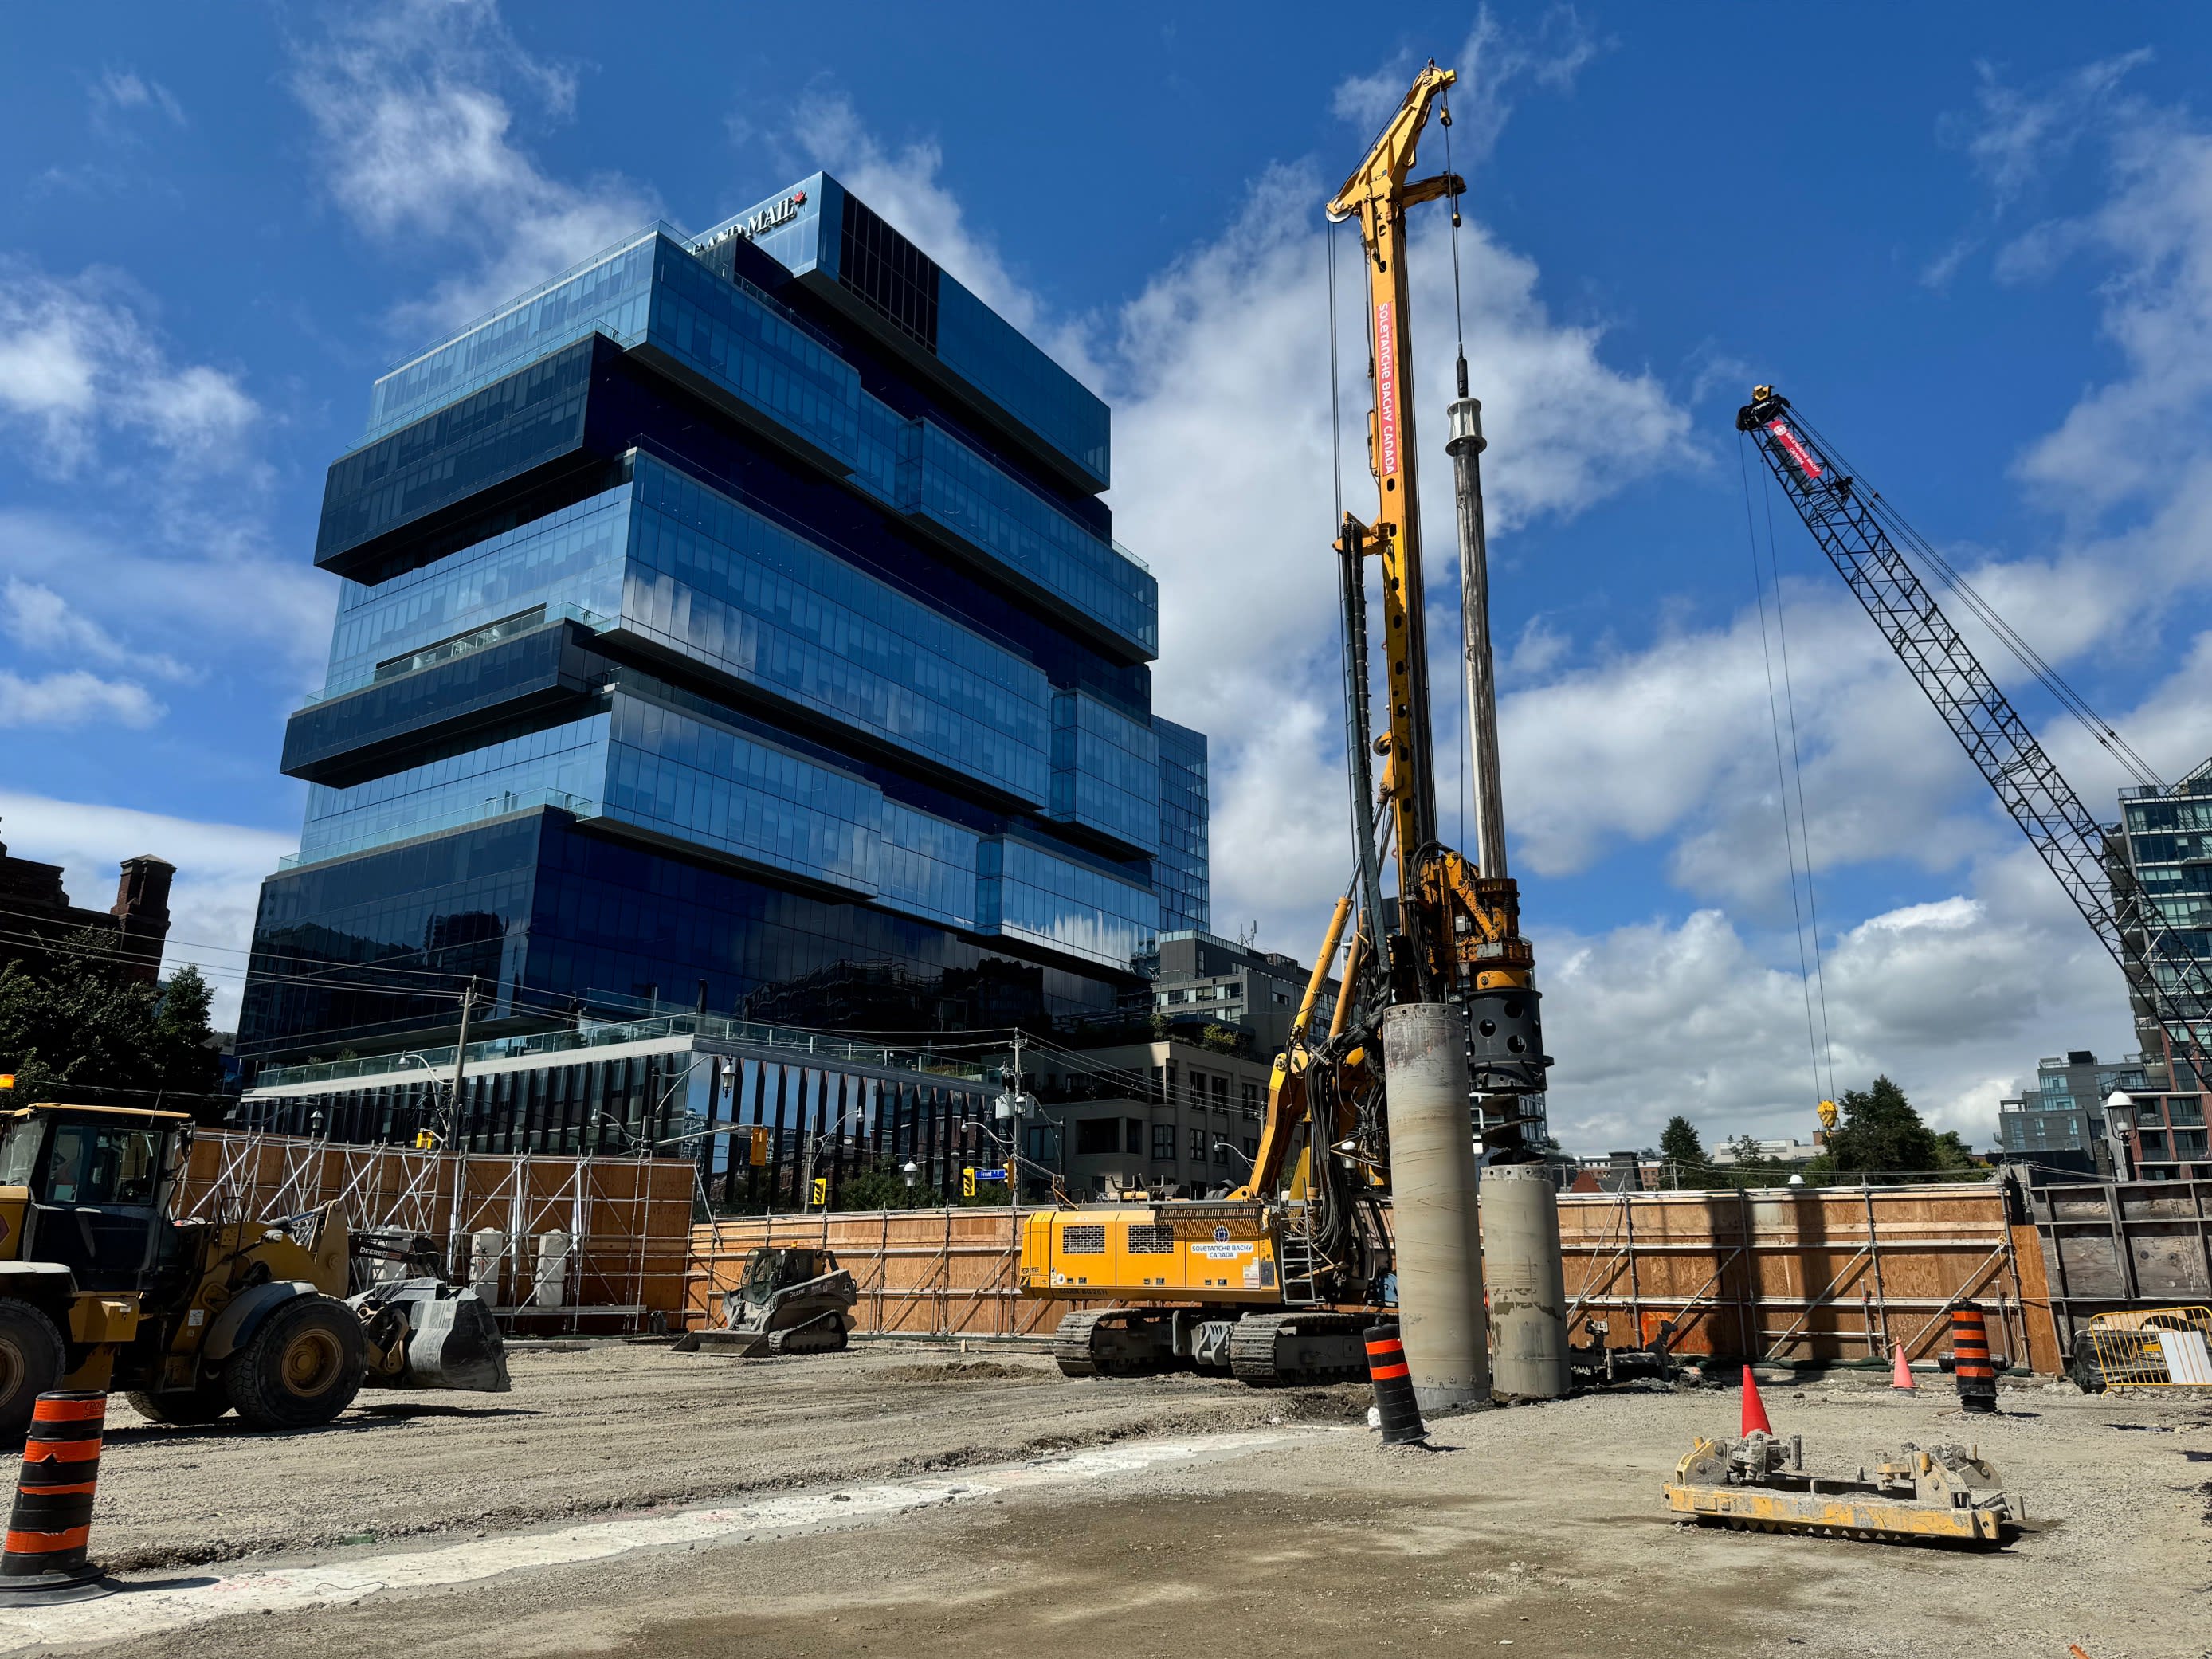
493,439
1180,873
989,353
378,945
344,738
356,951
894,277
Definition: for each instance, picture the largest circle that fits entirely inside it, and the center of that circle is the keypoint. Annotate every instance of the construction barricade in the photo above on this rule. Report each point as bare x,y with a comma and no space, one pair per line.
2154,1348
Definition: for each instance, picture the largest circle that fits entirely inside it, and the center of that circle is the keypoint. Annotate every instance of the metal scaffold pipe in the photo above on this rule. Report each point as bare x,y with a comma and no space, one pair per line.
1465,446
1436,1218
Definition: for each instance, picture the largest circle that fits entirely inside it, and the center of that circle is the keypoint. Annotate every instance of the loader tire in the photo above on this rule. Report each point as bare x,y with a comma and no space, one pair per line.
32,1361
183,1408
301,1368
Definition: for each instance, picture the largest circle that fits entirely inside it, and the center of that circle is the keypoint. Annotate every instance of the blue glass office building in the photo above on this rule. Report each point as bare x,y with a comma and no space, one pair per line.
730,623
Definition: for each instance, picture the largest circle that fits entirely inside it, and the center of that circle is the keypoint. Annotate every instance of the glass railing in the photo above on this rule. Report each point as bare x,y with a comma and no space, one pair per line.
362,678
825,1046
491,806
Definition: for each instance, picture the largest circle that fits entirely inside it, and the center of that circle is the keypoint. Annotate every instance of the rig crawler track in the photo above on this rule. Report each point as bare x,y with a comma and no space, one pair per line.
1264,1350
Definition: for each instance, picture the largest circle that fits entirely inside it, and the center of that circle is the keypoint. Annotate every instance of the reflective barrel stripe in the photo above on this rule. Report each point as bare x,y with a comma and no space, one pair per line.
1384,1373
47,1543
74,1409
39,1454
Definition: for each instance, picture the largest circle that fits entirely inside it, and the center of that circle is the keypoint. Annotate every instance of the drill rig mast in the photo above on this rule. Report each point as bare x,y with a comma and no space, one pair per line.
1286,1270
1457,933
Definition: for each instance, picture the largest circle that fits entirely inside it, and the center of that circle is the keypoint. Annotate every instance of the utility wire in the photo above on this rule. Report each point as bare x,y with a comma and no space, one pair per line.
1781,775
1797,773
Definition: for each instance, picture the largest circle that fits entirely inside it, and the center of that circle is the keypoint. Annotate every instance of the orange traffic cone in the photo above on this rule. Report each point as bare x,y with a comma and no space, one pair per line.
1900,1373
1754,1408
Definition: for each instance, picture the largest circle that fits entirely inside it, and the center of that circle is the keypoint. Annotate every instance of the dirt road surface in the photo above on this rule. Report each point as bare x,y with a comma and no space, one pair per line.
1539,1530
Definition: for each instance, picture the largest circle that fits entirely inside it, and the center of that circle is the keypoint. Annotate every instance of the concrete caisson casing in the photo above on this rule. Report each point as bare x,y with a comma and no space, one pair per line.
1433,1178
1522,1269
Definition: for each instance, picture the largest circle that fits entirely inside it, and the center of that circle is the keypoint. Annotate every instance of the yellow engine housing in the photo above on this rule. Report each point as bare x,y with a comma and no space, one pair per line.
1197,1250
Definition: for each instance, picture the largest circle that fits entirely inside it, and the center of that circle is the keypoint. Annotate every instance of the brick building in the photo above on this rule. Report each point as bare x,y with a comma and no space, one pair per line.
36,916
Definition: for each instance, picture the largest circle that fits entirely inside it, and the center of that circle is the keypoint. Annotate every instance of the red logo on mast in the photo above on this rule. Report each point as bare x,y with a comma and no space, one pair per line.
1386,390
1798,453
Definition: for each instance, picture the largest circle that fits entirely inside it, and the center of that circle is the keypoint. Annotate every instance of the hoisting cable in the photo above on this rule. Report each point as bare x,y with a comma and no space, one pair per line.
1781,777
2048,678
1459,328
1335,392
1798,772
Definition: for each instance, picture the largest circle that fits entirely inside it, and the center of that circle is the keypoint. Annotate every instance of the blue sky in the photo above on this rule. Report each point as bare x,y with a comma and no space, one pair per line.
1981,260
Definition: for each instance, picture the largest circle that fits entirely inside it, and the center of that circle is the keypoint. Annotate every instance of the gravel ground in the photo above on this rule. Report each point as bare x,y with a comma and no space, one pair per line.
1541,1527
601,1427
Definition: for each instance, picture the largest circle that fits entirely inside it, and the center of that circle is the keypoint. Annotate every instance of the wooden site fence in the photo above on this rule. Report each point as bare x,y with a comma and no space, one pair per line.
1796,1274
630,1218
919,1272
2110,1245
1812,1274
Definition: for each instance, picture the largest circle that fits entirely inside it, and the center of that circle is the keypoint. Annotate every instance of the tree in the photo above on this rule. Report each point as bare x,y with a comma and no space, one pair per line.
883,1187
1881,1130
1679,1145
81,1029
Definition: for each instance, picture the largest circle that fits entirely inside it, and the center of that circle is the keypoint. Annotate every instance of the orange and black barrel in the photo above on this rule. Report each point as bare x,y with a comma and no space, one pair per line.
1394,1387
1970,1360
51,1526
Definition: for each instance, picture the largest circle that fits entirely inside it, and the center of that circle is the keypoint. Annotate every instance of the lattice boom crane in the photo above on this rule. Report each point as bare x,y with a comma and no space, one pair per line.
1846,521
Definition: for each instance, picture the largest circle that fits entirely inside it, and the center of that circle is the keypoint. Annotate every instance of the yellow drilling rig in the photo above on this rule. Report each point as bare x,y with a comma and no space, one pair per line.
1275,1282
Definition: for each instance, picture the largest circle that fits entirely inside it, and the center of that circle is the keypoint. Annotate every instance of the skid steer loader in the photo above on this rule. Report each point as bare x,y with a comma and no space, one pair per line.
787,1301
100,1289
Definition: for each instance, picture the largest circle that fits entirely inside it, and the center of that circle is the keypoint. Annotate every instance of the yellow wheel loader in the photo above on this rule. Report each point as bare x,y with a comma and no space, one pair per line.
100,1289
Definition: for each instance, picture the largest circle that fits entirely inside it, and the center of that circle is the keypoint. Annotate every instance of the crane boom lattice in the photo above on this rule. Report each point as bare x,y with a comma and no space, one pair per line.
2173,986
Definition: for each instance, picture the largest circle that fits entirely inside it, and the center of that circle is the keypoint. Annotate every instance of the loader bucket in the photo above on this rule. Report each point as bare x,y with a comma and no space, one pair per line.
453,1341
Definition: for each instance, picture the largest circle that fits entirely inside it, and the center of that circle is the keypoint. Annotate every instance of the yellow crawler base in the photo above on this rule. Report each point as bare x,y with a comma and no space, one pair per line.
1942,1494
1873,1520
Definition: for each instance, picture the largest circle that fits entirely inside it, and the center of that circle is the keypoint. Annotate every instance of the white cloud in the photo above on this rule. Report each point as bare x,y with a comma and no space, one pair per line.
219,872
191,576
122,91
73,697
2139,439
78,363
1493,63
41,620
904,185
1218,375
418,138
1953,998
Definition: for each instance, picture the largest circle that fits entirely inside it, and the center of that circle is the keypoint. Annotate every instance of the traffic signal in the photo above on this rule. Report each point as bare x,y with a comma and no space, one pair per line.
822,1192
425,1142
758,1157
7,1077
968,1181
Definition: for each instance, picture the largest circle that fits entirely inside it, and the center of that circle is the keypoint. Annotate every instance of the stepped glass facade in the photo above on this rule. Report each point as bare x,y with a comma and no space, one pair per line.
730,625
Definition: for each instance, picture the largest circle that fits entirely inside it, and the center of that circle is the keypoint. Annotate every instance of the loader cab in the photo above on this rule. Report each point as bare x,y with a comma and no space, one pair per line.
93,1184
773,1268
